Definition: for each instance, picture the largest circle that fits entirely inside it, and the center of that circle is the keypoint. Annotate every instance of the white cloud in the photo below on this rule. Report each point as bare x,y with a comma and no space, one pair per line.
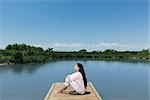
91,47
100,46
70,45
2,46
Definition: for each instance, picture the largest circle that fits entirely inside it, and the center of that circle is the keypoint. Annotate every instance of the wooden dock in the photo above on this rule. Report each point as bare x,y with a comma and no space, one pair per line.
91,93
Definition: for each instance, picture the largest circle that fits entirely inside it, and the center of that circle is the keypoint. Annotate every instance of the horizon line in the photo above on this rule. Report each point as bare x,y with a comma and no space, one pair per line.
60,46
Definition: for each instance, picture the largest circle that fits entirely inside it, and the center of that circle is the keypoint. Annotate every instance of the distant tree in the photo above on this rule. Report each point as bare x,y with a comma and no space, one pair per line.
17,47
100,51
18,57
30,53
145,50
110,50
95,52
49,53
83,51
49,50
8,47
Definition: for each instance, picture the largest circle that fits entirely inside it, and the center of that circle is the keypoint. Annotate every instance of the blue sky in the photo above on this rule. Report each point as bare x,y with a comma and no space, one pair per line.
73,25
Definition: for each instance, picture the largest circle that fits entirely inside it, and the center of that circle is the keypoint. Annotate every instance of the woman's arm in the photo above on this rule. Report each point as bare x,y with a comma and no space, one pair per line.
73,76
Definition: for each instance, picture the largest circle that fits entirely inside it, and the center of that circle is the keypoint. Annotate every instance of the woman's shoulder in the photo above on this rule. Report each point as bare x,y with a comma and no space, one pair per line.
76,74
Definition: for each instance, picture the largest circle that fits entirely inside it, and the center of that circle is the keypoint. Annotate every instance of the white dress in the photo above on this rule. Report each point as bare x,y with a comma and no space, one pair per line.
76,82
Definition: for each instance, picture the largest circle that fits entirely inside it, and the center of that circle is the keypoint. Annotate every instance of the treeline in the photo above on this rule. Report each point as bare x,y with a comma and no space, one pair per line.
107,54
22,53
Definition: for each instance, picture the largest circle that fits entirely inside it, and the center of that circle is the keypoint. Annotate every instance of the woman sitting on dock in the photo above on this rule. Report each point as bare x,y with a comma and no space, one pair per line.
77,80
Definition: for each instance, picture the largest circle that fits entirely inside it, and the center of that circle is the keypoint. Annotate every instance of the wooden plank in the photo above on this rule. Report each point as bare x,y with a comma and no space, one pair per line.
97,94
49,92
93,94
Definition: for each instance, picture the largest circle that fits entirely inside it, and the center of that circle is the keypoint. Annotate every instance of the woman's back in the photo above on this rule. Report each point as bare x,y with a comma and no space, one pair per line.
76,81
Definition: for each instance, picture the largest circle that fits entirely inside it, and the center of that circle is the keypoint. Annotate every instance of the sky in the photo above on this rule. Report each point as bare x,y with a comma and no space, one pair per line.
69,25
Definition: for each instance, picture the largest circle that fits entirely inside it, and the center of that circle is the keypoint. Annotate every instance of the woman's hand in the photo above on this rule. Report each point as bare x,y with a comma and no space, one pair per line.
68,78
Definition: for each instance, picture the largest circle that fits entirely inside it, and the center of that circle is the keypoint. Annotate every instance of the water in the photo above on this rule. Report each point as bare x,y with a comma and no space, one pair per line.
114,80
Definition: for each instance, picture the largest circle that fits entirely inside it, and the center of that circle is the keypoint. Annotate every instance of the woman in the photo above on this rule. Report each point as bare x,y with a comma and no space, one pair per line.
77,80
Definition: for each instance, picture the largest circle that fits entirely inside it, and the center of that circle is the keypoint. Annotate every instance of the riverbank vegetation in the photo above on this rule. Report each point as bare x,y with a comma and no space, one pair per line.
22,53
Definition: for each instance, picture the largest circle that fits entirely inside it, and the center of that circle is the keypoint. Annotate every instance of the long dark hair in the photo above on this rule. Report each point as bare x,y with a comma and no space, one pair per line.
81,70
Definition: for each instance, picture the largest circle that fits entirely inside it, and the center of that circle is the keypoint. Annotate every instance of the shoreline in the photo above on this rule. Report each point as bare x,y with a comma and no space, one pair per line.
23,54
85,59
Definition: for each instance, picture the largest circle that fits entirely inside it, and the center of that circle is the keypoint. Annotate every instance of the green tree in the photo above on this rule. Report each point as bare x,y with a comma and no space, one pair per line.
82,51
18,57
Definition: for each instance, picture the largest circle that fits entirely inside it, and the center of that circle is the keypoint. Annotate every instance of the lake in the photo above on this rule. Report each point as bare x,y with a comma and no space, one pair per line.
114,80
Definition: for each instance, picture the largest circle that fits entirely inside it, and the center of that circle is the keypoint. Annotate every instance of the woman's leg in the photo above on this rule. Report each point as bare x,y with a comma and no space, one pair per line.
73,84
67,81
65,85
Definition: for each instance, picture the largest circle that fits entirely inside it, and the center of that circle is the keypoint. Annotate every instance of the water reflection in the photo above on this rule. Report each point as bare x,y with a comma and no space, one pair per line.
20,68
31,68
115,80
